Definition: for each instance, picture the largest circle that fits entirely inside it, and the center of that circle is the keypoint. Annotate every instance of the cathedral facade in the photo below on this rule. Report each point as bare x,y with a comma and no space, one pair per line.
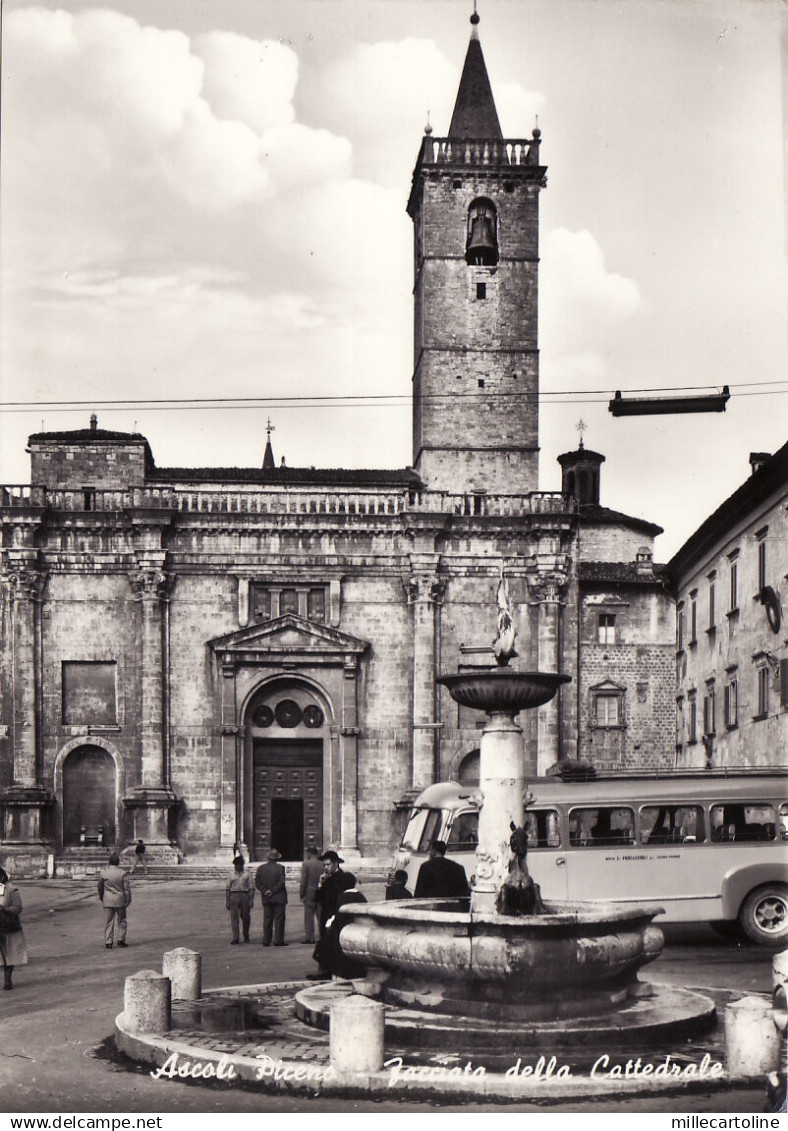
212,657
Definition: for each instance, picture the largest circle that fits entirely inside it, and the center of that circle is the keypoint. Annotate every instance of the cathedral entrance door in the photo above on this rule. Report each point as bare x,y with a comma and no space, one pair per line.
88,797
288,796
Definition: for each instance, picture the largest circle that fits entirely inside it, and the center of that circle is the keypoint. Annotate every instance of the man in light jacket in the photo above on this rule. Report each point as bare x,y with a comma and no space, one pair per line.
115,894
311,872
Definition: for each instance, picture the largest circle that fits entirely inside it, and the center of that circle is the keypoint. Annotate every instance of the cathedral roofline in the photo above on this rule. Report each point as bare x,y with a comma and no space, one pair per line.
308,476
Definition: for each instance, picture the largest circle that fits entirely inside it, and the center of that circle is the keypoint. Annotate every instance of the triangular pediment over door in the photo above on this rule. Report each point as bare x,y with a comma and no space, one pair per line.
288,639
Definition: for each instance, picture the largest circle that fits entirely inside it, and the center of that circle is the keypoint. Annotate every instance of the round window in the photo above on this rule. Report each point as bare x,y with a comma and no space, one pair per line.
313,716
263,716
288,713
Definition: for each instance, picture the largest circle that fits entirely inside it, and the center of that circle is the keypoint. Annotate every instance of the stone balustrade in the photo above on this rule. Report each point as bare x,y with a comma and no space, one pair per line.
277,500
467,151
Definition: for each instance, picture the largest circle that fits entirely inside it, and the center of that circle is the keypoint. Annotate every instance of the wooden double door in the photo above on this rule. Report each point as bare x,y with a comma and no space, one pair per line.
287,806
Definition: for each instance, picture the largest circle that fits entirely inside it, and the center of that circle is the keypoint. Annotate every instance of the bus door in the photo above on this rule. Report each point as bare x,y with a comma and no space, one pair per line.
546,858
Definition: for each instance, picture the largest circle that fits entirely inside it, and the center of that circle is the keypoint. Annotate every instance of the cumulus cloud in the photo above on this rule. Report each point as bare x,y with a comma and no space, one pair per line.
247,81
583,305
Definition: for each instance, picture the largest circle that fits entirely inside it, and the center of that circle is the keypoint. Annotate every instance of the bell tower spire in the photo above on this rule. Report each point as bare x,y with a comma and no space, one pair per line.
474,203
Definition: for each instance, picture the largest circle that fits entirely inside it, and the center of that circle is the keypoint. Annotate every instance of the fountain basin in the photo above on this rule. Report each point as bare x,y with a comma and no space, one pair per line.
499,689
573,960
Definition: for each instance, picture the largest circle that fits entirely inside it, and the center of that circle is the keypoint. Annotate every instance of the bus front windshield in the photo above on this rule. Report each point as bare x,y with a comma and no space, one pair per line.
423,827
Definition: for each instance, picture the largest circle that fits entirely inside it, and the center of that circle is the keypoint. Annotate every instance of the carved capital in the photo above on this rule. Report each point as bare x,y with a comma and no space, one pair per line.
424,587
25,583
549,588
150,583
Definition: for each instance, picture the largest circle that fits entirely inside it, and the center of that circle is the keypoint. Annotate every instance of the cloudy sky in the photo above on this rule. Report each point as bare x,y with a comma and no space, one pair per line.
206,198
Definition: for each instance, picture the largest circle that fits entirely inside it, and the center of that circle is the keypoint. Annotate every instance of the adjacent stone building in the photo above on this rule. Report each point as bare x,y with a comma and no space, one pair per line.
731,640
212,657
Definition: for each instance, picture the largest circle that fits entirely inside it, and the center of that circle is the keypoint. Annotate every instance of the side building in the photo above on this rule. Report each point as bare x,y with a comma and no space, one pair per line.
729,581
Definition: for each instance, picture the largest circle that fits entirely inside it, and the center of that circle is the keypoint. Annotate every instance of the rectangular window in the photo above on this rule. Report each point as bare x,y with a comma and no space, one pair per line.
260,603
89,693
732,703
762,563
316,605
743,822
693,618
763,691
543,827
601,826
607,710
288,602
672,824
481,290
734,586
680,629
708,710
711,604
692,722
607,628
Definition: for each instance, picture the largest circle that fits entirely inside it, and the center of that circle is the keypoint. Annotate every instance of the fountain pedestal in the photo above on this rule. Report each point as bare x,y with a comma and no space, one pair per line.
502,769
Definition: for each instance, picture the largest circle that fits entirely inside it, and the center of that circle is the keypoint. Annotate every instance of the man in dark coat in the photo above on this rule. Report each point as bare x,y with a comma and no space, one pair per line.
440,878
333,884
270,882
115,893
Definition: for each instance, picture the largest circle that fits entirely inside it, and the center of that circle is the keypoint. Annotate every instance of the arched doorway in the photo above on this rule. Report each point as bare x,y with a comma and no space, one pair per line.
89,797
287,732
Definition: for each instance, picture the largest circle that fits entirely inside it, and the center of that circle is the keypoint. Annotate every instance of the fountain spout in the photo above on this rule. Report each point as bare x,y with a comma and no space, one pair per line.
519,894
503,645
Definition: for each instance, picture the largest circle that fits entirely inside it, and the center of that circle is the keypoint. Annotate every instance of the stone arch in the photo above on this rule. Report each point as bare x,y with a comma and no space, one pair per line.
290,743
92,759
465,767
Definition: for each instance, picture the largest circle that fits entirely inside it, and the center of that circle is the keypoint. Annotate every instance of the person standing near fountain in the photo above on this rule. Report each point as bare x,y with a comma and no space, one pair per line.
440,878
270,882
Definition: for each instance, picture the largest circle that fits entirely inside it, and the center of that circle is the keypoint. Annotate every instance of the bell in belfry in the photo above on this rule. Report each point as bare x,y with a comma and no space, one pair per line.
482,246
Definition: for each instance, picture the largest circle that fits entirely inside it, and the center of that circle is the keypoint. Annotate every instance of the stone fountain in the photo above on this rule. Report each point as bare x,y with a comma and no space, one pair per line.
470,972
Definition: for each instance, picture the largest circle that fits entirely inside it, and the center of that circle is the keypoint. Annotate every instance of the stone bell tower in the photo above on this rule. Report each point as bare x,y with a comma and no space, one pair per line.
475,210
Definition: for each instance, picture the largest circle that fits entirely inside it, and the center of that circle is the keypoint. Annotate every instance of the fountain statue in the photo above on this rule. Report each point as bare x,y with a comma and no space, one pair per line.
505,964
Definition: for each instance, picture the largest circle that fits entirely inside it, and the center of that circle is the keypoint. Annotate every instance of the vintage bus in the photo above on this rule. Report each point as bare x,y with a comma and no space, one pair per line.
708,846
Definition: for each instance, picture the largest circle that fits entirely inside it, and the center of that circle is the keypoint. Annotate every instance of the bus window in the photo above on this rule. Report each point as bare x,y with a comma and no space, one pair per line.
542,828
743,822
423,827
601,826
784,821
671,824
464,835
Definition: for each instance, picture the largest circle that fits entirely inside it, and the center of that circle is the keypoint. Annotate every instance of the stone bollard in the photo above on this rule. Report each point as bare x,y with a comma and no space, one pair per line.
751,1038
146,1002
780,969
356,1035
184,969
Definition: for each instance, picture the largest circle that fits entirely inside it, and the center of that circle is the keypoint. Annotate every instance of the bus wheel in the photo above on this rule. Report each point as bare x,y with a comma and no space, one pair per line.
764,915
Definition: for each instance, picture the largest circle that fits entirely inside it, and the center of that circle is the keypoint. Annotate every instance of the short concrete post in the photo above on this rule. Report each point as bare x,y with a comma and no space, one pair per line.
146,1002
356,1035
184,969
780,969
751,1038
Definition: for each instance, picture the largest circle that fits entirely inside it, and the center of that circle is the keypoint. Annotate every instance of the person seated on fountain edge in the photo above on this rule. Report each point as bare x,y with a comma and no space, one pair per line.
398,888
440,878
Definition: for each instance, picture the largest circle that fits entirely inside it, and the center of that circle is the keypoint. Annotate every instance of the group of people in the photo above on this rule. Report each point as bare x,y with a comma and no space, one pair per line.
323,888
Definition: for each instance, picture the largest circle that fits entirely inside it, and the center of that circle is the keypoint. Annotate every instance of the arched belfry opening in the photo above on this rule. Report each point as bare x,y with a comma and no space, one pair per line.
287,753
481,244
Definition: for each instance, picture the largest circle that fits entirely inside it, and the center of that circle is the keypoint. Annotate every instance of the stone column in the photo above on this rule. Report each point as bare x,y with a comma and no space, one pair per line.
153,798
425,590
231,817
26,800
549,588
348,734
503,774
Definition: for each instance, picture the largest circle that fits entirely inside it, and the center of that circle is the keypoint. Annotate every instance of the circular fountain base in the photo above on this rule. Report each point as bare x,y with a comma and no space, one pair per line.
657,1013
